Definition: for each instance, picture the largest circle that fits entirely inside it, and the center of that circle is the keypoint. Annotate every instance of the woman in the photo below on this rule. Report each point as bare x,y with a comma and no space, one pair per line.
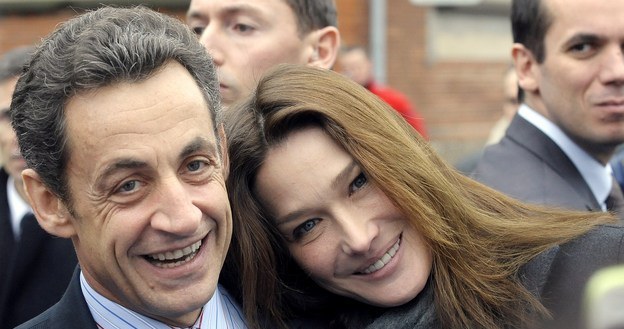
331,189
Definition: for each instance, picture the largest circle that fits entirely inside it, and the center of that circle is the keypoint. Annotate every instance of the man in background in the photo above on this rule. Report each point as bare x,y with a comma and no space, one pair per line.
568,57
510,107
35,267
355,63
247,37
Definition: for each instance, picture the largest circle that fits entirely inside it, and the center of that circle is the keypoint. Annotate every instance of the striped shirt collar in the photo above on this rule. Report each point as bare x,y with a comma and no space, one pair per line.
220,312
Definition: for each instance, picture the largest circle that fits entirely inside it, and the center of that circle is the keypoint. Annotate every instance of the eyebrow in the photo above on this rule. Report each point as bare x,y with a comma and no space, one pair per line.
4,112
228,10
195,145
342,176
582,38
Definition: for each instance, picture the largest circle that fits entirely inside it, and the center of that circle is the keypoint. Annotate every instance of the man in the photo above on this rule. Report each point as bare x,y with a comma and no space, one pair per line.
36,267
354,63
510,107
568,57
247,37
117,116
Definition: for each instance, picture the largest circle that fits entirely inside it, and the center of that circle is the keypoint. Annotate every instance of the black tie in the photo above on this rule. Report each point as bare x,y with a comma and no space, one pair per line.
615,199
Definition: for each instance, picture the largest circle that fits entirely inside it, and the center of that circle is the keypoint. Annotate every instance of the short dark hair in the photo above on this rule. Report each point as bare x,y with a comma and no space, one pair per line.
313,14
530,20
13,61
94,50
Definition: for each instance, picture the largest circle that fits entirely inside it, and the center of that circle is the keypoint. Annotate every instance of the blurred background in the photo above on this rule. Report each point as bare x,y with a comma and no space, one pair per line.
447,56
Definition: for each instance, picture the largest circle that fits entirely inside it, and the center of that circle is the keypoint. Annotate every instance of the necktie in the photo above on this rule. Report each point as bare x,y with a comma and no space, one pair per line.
615,199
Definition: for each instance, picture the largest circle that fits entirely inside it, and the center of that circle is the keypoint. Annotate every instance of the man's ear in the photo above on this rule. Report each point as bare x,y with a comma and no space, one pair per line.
325,43
224,151
526,67
52,214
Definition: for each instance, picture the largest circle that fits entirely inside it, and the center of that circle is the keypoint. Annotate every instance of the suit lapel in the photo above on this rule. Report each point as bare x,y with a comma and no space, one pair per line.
32,238
540,145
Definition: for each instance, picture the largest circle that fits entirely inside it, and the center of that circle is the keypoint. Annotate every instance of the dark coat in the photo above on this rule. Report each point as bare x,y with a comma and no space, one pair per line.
530,167
559,276
35,270
71,312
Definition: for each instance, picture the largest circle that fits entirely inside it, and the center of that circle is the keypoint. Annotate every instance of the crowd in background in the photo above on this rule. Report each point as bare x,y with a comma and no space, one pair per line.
244,168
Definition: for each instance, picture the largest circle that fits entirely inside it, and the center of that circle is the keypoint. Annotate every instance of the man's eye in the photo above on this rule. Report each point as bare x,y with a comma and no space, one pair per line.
199,30
243,28
128,186
581,48
305,228
195,165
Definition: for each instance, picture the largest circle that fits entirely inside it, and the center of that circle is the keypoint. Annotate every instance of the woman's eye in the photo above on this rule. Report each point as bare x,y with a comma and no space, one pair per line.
305,228
359,182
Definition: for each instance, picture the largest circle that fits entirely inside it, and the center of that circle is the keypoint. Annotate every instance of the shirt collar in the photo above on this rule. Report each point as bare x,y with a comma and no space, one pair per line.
596,175
19,208
220,312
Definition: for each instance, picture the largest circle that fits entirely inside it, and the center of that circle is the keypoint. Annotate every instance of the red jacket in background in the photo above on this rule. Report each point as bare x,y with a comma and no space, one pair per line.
399,102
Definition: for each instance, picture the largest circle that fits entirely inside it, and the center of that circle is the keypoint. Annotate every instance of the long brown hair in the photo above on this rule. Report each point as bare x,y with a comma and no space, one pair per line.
479,238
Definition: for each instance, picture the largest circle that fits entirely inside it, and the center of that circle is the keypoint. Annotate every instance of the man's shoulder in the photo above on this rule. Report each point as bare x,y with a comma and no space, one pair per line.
71,312
43,320
509,165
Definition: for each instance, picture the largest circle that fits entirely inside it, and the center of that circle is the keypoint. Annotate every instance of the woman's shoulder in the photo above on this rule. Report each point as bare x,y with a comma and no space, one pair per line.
558,276
607,240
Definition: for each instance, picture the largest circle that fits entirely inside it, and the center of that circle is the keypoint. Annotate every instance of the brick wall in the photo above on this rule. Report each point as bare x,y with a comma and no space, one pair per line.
459,100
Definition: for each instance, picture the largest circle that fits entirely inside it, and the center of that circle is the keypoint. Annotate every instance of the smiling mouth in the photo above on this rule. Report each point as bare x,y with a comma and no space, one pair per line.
174,258
385,259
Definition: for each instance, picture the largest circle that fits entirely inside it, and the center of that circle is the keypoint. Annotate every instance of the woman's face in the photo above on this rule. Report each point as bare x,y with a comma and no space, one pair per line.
339,226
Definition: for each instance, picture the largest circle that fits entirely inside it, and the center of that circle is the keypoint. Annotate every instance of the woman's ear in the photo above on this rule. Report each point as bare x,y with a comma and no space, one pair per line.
52,214
326,42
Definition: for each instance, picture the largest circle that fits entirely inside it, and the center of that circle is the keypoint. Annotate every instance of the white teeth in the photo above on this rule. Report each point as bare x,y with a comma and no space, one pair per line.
385,259
176,257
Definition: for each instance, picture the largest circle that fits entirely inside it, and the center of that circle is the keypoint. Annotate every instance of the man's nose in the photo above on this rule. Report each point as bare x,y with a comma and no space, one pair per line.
612,69
177,214
212,40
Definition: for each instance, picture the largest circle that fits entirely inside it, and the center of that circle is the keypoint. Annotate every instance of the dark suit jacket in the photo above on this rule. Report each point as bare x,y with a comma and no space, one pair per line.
34,271
71,312
529,166
559,276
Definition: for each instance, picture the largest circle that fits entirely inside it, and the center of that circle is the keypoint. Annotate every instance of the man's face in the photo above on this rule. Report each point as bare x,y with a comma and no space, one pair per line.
247,37
580,84
10,156
151,216
356,65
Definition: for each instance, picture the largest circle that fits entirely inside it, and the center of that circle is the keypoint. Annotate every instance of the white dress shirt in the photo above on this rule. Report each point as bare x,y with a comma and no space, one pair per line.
19,208
596,175
221,311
